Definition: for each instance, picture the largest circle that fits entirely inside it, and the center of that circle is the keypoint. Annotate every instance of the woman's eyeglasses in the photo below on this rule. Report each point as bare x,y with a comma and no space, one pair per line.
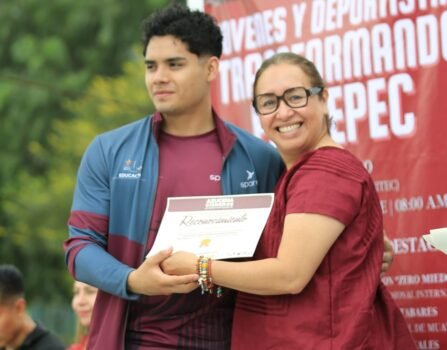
295,97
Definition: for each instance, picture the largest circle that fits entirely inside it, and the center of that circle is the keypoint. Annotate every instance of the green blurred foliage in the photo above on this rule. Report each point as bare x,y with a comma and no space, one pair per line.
68,71
39,205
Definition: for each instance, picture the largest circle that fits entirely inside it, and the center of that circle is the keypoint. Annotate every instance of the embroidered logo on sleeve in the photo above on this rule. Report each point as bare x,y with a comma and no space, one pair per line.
250,181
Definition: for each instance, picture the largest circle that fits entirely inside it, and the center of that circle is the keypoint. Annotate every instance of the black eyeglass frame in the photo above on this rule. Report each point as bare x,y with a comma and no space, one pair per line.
315,90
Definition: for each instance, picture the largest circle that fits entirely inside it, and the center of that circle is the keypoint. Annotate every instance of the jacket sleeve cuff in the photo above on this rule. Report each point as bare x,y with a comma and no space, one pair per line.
127,294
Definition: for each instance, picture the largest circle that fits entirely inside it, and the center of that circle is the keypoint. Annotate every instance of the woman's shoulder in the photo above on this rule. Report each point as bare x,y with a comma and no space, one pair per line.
334,154
334,159
330,164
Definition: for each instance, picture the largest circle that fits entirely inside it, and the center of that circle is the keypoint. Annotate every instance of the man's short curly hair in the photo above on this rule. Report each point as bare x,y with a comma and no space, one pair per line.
198,30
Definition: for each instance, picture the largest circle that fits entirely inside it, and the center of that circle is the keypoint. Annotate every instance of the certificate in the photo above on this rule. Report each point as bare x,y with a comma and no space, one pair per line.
437,238
219,227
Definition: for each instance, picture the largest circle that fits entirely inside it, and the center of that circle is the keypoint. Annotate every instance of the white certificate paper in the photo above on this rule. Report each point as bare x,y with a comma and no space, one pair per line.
438,239
219,227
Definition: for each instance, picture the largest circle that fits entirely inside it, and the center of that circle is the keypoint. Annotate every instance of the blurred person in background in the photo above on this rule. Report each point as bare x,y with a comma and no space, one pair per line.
84,297
18,331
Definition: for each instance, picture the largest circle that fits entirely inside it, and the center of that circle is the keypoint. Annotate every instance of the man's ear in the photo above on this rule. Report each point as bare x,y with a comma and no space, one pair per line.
20,305
213,68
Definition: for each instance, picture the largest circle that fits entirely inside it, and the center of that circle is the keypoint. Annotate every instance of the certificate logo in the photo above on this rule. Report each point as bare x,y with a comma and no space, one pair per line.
219,203
205,243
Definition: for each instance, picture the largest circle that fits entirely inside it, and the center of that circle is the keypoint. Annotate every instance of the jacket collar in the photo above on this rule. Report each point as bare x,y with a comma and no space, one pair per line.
225,136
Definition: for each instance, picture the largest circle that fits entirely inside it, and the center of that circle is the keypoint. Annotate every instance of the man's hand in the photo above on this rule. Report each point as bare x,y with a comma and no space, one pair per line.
388,255
180,263
149,279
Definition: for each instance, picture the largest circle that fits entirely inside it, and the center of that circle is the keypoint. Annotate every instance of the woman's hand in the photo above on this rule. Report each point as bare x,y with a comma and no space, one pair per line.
180,263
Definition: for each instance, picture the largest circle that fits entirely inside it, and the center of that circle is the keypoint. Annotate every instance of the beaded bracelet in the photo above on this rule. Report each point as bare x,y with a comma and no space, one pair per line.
219,288
202,270
205,280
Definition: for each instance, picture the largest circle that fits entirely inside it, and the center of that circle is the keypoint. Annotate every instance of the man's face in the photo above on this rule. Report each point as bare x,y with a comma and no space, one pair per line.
11,315
177,80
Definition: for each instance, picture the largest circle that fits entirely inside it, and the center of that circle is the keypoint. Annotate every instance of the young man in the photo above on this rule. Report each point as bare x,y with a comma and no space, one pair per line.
18,331
125,177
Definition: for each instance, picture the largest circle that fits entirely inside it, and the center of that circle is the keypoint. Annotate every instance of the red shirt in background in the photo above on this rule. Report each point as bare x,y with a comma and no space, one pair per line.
82,345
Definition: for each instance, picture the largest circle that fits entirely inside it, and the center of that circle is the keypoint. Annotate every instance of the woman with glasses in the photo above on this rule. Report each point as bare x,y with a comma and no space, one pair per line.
315,283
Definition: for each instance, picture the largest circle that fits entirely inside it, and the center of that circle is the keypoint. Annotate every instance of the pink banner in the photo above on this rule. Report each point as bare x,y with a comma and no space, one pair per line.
385,63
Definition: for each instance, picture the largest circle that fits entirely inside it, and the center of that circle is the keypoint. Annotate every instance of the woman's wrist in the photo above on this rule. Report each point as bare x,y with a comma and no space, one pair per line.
205,281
